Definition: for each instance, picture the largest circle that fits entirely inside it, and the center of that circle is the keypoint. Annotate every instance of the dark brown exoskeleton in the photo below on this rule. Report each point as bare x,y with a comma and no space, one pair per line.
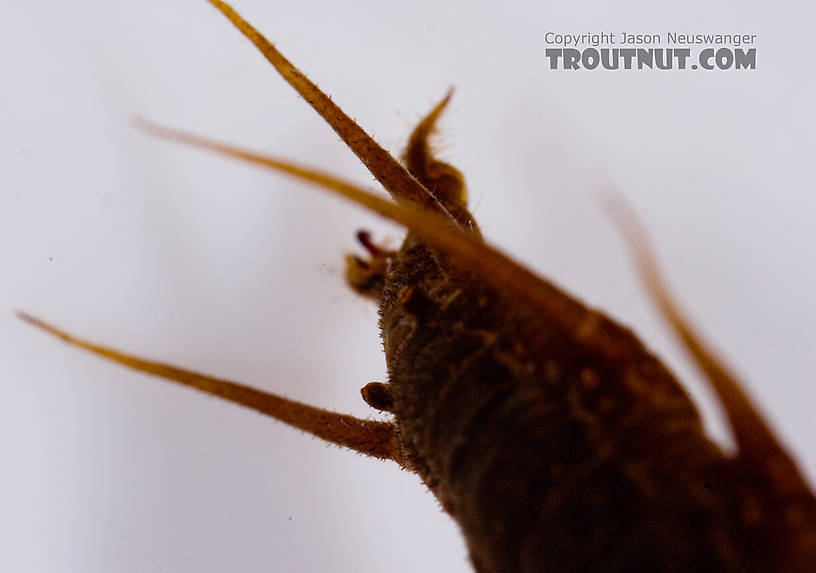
545,429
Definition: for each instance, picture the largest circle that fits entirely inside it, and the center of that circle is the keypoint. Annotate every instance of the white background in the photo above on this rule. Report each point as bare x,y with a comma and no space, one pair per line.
206,263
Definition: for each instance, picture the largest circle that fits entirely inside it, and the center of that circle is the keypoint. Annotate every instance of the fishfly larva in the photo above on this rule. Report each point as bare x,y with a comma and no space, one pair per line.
575,526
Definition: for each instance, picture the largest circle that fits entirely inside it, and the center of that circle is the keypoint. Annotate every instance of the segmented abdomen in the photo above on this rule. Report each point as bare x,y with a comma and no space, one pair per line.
547,456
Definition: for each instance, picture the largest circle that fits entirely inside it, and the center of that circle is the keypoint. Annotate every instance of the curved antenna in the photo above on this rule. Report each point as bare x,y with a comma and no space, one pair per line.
581,324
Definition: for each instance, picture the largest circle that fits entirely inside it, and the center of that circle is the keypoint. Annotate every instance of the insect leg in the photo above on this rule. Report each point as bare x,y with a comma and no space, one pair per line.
443,180
369,437
387,170
755,440
367,277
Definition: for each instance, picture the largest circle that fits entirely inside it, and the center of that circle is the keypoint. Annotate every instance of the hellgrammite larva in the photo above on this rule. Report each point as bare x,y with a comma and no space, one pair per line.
546,430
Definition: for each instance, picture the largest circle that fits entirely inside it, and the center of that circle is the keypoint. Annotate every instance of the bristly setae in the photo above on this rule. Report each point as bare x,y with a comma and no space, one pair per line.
546,430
